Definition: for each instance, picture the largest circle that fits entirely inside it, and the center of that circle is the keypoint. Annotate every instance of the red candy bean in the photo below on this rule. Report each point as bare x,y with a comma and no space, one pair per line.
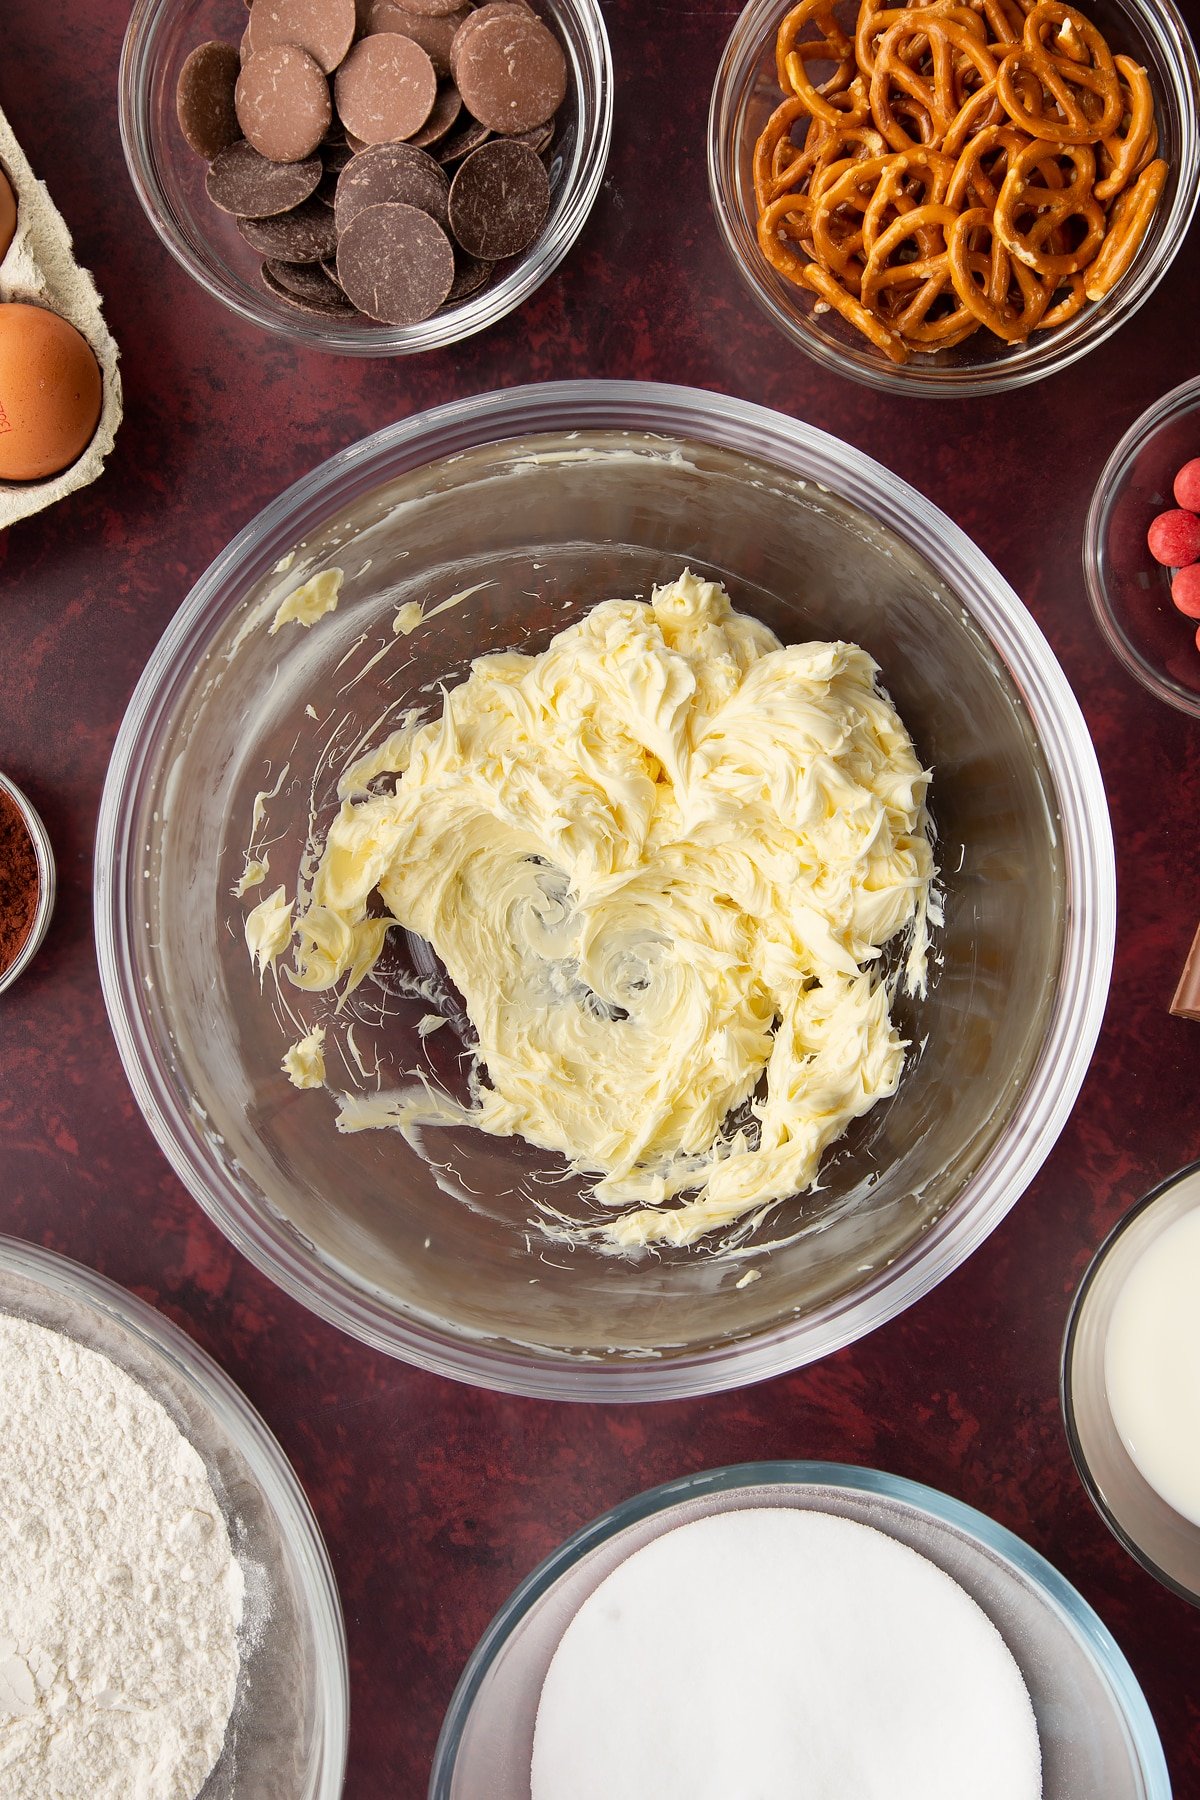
1174,539
1187,485
1185,590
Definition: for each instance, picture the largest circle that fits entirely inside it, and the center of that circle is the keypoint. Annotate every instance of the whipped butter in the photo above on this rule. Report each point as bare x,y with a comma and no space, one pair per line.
304,1062
309,602
660,862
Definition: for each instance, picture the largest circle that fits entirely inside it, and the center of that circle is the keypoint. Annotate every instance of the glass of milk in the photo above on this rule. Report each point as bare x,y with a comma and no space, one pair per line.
1131,1382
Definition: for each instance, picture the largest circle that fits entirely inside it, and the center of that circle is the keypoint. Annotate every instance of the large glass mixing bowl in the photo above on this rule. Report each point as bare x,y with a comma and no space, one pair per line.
542,501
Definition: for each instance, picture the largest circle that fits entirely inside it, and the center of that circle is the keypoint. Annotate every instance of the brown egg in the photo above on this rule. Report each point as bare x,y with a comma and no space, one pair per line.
50,392
8,214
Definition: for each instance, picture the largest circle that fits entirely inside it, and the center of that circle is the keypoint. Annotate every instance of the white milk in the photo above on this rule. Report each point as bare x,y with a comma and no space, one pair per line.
1152,1365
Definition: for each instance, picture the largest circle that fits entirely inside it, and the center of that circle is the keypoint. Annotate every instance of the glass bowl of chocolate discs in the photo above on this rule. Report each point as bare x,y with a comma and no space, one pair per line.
367,177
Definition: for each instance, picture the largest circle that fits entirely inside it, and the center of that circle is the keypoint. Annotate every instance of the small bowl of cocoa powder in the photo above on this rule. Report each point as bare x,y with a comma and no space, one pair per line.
26,882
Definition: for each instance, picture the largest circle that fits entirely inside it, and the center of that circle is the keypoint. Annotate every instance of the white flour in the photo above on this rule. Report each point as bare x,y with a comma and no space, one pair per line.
119,1593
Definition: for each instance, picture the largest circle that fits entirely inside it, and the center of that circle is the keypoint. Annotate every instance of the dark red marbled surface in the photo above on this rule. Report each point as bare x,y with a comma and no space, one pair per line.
436,1499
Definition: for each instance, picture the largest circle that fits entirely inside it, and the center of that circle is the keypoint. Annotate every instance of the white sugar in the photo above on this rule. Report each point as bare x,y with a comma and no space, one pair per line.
779,1654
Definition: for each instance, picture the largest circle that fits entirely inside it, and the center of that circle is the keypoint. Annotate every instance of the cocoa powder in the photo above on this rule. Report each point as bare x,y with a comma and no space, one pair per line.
20,883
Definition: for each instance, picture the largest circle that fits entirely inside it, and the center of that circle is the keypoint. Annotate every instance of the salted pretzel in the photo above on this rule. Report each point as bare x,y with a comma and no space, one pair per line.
934,99
1072,94
954,166
1128,221
1126,151
1006,297
1049,208
905,288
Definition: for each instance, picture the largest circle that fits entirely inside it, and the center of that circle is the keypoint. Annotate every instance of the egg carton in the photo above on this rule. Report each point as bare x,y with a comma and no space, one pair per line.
40,268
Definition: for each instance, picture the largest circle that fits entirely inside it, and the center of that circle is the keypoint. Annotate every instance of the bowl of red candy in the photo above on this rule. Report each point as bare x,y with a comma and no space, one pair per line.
1141,549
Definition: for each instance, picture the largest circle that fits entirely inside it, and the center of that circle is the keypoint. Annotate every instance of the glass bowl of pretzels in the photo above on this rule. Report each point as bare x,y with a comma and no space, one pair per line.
955,197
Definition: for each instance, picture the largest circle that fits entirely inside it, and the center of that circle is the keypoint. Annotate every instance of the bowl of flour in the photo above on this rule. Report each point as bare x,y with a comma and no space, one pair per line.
169,1623
797,1628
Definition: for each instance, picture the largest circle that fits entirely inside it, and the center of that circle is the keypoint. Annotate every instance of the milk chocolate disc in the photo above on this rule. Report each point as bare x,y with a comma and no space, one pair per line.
385,89
242,182
306,235
282,101
431,8
499,200
434,32
496,9
324,28
395,263
204,99
492,9
447,109
460,142
387,173
510,71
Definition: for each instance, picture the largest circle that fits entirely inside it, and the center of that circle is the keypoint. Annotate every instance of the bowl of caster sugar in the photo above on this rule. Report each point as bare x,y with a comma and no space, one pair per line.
170,1628
1131,1382
756,1614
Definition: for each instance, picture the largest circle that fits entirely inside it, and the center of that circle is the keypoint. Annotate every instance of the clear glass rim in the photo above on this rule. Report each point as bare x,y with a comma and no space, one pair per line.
1161,20
1066,1382
245,1428
595,113
47,882
1106,1653
1104,497
1089,927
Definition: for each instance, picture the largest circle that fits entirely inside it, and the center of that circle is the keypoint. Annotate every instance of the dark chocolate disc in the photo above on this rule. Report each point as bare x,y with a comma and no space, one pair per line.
309,280
324,28
499,200
242,182
539,139
326,300
510,71
395,263
335,155
307,235
204,99
385,89
392,173
460,142
282,101
470,276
